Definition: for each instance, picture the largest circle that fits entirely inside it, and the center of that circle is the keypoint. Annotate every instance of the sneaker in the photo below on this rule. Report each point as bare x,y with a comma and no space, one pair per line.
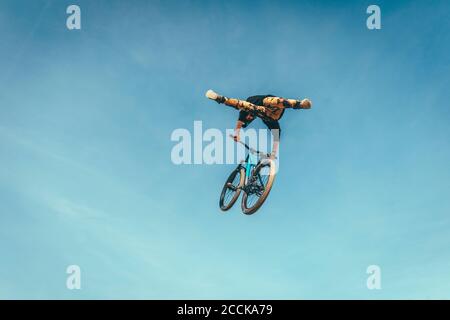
214,96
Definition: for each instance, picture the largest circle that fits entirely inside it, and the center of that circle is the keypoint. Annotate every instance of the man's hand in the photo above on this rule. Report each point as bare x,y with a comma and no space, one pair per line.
236,137
306,104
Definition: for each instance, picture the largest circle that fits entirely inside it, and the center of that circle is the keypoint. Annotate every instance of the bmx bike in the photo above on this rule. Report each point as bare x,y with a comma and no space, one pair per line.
254,177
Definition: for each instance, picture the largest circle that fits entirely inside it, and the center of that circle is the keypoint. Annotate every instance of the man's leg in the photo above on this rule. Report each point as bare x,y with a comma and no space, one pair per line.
243,105
274,127
276,142
277,102
235,103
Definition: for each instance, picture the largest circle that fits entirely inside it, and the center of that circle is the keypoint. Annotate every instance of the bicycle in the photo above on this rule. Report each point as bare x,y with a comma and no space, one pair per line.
254,176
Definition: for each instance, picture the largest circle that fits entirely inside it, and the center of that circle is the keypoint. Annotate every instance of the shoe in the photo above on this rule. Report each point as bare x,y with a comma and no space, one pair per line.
214,96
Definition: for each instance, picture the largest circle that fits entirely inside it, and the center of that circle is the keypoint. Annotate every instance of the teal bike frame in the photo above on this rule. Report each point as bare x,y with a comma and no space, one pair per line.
252,161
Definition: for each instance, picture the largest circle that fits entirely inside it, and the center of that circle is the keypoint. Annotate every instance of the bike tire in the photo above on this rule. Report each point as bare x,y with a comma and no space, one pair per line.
251,209
223,202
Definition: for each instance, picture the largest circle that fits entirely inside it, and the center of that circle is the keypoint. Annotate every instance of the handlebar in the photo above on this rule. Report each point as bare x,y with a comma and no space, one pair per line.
251,150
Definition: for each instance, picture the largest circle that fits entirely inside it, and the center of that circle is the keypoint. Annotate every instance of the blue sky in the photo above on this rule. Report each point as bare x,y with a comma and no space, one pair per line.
86,176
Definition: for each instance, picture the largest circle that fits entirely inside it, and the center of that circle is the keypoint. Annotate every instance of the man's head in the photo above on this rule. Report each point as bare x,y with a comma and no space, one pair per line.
249,117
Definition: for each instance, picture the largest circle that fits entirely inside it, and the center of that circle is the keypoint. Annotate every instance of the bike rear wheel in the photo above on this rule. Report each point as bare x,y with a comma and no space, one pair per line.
232,189
259,187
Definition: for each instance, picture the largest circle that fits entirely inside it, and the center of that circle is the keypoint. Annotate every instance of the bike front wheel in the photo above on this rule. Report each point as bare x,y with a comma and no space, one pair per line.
232,189
259,186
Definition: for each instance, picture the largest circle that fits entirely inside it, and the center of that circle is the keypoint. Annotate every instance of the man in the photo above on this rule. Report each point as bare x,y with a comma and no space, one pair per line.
268,108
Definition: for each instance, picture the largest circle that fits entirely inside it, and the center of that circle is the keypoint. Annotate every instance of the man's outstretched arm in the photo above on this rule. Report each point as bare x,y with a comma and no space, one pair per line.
237,130
287,103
